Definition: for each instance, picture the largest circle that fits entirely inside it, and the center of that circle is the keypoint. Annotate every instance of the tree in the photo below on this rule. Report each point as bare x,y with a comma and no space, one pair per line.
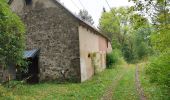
160,17
84,15
159,67
129,32
142,31
114,24
12,37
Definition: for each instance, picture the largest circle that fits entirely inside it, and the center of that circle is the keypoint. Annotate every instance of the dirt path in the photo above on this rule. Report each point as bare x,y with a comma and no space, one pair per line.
138,85
110,91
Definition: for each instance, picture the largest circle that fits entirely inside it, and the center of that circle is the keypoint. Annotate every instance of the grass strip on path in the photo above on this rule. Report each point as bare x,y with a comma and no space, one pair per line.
126,90
109,92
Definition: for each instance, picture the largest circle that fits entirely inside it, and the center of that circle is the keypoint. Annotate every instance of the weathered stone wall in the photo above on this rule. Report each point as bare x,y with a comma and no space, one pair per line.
55,32
17,6
7,74
62,41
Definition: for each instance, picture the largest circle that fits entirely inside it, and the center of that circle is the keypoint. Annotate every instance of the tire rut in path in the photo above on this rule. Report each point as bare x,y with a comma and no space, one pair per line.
109,92
138,85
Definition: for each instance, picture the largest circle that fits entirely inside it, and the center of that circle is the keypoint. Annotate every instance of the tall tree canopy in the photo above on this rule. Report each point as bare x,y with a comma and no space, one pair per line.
159,13
84,15
128,32
12,37
115,24
159,67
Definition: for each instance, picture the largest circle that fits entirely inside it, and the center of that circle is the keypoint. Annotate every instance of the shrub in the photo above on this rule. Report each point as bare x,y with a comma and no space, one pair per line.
113,58
159,70
12,37
128,53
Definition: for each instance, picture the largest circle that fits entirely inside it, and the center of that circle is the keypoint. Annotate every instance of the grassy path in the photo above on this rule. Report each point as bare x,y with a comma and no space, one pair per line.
125,86
109,92
126,89
92,89
120,83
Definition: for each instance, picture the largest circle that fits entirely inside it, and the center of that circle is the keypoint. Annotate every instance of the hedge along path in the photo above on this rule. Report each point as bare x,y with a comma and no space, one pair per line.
110,90
138,85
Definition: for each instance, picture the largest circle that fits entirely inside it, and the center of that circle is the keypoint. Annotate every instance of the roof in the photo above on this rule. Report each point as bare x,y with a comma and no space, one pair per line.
31,53
82,22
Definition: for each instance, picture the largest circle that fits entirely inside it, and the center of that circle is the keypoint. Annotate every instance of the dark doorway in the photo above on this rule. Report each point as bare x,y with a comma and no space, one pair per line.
28,2
31,73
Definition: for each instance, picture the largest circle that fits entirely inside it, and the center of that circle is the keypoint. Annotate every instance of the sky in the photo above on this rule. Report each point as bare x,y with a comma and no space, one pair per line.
94,7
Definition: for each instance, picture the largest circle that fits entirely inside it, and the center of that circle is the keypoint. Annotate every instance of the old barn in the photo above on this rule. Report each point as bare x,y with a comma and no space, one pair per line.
70,49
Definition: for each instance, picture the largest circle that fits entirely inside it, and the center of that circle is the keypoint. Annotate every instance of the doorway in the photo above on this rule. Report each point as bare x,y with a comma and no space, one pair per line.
30,74
33,71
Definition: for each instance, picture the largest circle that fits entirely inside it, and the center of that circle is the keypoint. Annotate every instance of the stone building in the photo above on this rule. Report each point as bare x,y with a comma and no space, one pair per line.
70,49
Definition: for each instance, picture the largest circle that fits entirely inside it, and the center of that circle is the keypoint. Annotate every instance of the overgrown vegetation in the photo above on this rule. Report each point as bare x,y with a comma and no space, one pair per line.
113,58
142,31
128,31
159,66
12,38
159,70
153,91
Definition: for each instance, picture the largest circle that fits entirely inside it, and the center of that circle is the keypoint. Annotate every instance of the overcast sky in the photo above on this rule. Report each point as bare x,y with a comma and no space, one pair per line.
94,7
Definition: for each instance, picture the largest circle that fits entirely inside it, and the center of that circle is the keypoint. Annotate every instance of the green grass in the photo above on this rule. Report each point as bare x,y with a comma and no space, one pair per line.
90,90
152,91
126,89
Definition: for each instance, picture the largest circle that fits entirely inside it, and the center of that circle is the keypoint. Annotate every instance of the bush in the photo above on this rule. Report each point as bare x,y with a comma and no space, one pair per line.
113,58
142,50
12,37
159,70
128,53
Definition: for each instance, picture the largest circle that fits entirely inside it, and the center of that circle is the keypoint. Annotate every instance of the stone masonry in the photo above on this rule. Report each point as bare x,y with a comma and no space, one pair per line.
55,32
64,40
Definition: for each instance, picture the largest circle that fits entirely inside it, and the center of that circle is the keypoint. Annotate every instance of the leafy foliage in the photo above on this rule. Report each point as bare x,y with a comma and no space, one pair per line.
161,40
113,58
142,42
159,67
109,24
159,70
153,91
129,32
12,37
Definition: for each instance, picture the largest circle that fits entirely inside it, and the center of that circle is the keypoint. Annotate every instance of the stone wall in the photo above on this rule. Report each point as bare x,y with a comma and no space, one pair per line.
7,73
62,40
55,32
17,6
